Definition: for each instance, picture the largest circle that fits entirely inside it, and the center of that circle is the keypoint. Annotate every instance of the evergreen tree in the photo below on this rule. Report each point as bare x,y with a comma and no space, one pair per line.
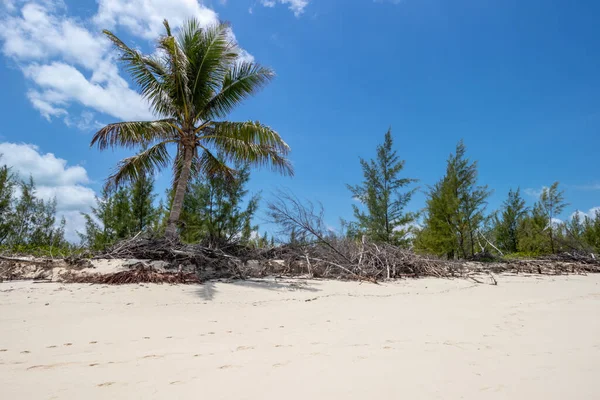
455,209
509,223
111,220
570,234
383,218
7,189
532,237
213,210
143,213
438,233
591,231
551,204
32,221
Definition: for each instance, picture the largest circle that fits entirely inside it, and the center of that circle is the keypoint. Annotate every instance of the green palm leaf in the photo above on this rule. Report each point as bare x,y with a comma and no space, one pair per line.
134,134
146,162
241,82
250,142
149,73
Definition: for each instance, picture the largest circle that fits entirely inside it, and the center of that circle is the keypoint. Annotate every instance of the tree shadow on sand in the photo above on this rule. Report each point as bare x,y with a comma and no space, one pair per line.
207,291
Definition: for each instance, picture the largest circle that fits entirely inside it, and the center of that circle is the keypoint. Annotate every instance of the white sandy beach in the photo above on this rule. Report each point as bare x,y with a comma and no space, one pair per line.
527,338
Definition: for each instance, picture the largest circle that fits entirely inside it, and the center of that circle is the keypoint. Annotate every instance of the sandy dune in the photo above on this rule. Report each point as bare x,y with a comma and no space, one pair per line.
527,338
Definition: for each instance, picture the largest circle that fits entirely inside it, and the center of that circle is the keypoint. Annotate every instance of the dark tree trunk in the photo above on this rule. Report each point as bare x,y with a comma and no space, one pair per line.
180,189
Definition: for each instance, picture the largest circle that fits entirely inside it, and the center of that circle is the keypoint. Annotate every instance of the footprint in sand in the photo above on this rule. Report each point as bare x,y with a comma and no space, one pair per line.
94,342
153,356
3,350
68,344
25,352
278,365
105,384
241,348
225,366
94,364
48,366
51,347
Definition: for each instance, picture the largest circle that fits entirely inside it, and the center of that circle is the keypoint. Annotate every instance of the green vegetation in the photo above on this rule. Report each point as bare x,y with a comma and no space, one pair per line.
213,213
27,223
193,81
121,213
455,210
383,218
508,226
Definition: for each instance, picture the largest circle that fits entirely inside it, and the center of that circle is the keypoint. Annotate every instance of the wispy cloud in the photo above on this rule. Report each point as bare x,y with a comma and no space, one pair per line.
71,64
536,193
388,1
589,187
296,6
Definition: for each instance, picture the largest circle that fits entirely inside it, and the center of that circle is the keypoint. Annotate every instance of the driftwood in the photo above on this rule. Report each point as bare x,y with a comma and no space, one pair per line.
138,273
339,259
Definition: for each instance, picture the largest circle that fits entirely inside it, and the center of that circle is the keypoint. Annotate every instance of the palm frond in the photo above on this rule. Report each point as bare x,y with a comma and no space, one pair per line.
213,166
249,142
148,161
149,73
242,80
177,80
134,134
211,53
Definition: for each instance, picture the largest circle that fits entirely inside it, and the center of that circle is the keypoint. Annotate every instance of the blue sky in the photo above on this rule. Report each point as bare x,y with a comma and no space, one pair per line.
518,80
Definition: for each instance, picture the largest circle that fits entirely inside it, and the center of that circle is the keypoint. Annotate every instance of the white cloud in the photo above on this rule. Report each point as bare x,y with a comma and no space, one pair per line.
591,213
592,186
144,18
71,64
43,31
297,6
534,192
62,83
53,179
556,222
86,121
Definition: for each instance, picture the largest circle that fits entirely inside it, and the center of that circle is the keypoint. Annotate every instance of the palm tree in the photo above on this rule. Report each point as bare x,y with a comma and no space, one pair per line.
191,83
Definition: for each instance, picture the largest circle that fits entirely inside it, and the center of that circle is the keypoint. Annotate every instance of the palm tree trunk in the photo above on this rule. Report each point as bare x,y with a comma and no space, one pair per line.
180,189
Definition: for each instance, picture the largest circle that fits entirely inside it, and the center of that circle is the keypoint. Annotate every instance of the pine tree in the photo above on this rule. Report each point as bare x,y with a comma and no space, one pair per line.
591,231
213,210
552,204
570,234
381,216
439,230
7,189
143,213
32,221
111,220
507,226
455,209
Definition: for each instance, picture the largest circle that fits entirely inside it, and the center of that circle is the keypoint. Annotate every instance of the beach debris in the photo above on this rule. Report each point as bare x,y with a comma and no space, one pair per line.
156,260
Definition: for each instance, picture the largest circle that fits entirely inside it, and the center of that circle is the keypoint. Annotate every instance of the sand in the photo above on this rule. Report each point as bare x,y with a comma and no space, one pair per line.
527,338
